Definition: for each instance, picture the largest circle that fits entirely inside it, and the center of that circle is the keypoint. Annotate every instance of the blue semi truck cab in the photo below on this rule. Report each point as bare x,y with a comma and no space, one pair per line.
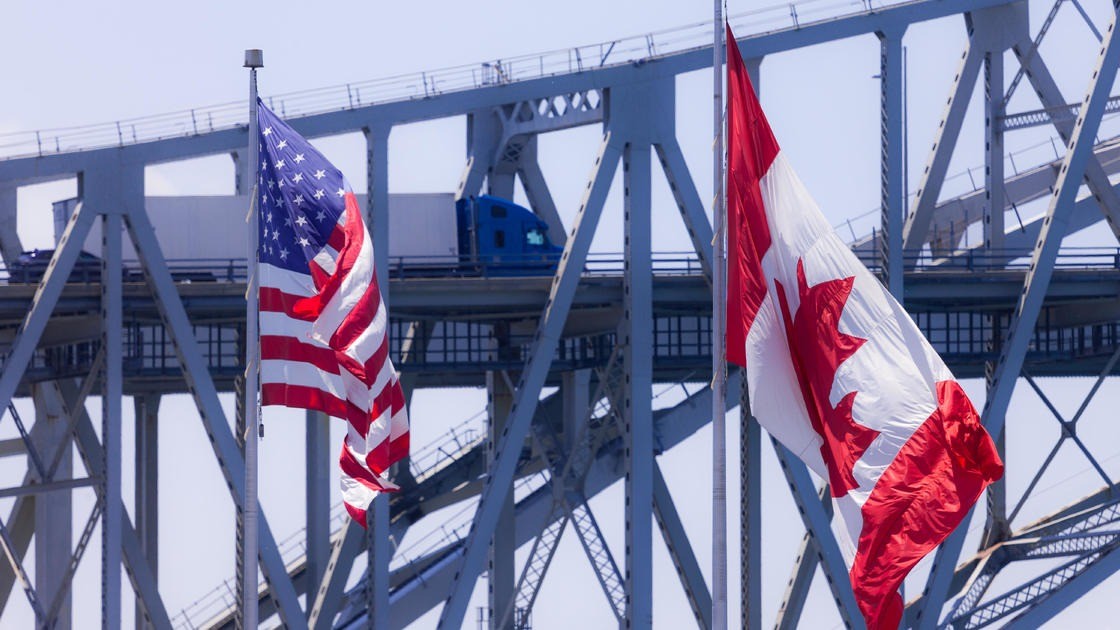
499,237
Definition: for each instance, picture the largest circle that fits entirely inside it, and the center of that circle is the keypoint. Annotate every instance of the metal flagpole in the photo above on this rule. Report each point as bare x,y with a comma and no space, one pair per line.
253,59
719,374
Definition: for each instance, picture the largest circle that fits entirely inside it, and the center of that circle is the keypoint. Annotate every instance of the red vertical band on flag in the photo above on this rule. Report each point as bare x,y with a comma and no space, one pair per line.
751,148
923,495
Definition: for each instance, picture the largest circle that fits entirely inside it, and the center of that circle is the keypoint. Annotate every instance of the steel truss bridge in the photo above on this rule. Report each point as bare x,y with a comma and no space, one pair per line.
603,331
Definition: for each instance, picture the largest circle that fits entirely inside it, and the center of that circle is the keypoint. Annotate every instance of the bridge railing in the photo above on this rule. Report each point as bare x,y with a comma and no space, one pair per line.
598,264
962,183
427,84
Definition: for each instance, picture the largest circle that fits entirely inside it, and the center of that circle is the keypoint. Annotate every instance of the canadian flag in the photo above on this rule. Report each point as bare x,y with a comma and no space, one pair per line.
839,373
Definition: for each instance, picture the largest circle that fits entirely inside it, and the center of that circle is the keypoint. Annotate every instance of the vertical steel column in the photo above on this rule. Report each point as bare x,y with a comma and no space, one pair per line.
242,178
996,527
575,388
750,513
637,340
993,151
10,247
502,573
318,503
750,477
111,391
379,549
147,486
53,510
892,161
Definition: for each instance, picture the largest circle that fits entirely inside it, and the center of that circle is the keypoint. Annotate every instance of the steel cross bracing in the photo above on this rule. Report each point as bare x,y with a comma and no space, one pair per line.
963,300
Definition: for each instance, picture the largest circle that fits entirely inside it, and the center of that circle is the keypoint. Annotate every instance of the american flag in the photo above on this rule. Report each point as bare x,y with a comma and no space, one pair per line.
323,326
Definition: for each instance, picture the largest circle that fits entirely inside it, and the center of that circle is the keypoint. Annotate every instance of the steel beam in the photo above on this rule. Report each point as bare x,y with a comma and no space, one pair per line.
147,485
500,568
454,103
139,572
536,190
993,151
46,296
347,544
10,246
680,551
804,567
420,591
816,520
201,385
500,477
916,230
318,498
750,514
636,338
1050,236
112,192
688,200
892,164
1038,73
54,512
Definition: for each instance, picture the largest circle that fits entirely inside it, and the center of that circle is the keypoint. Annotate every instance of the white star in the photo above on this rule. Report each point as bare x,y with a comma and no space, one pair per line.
301,220
304,242
321,216
288,221
320,174
298,200
319,194
267,131
271,184
341,192
282,144
266,232
264,198
264,165
283,254
268,217
282,182
275,235
299,158
298,178
280,164
262,179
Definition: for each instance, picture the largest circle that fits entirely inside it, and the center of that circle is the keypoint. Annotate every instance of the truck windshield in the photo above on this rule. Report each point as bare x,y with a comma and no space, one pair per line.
534,237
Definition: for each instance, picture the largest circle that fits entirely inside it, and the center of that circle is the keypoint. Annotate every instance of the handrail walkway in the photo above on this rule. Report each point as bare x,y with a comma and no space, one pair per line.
419,85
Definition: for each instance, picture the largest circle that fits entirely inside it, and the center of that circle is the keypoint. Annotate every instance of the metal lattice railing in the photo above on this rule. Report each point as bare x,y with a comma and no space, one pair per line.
427,84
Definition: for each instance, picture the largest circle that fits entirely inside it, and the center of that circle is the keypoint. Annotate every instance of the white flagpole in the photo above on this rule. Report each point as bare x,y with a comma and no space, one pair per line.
719,373
253,59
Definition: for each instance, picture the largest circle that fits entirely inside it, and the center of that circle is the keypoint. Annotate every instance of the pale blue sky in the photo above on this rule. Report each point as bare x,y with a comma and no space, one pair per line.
78,63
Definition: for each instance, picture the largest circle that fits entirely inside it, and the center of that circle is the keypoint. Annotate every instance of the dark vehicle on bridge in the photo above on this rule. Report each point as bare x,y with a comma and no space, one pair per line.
31,266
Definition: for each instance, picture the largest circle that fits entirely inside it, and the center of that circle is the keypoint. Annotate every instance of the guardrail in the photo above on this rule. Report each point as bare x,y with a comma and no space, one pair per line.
598,264
420,85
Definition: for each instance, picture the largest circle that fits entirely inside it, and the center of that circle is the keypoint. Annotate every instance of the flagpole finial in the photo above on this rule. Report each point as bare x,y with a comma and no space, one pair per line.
254,58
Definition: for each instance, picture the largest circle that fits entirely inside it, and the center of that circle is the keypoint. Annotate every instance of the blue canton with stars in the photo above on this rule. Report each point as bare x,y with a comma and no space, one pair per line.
301,195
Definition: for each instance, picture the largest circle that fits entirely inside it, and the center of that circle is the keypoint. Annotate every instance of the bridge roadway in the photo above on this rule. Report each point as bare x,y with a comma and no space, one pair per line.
961,311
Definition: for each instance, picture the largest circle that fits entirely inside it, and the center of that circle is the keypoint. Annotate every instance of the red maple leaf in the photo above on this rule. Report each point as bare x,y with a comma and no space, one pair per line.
817,348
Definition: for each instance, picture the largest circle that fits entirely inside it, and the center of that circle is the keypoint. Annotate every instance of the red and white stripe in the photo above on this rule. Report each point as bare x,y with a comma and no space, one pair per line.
325,347
918,457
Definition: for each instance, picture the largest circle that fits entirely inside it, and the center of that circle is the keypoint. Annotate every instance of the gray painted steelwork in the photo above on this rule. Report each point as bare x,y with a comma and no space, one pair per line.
1059,314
